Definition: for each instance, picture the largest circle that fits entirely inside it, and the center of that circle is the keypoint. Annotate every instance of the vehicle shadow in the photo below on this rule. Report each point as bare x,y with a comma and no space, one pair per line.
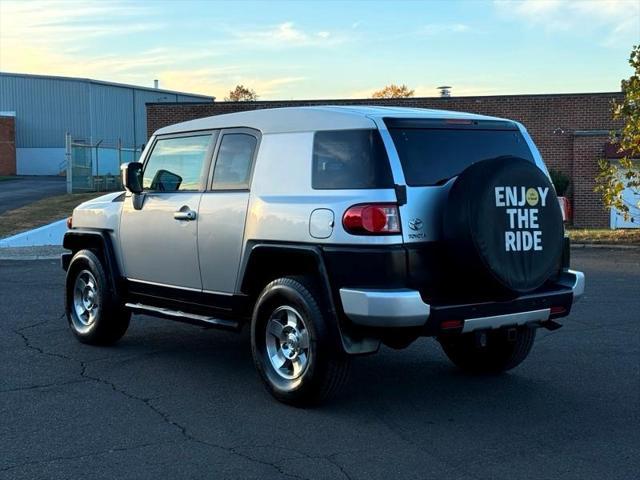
420,377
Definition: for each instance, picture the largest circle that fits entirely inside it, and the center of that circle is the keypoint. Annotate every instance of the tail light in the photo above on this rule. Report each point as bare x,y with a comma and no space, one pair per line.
451,324
558,310
372,219
69,223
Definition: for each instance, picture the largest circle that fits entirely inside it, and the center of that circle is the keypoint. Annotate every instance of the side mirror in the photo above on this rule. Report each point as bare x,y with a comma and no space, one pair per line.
132,176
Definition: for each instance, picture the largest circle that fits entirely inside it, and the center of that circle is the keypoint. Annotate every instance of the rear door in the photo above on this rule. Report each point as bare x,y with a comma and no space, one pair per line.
433,152
159,241
223,209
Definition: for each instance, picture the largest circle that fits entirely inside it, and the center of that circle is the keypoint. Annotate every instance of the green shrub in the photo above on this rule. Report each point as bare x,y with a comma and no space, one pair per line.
561,181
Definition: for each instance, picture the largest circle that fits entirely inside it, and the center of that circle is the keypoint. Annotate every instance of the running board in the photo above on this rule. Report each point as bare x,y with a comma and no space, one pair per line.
179,316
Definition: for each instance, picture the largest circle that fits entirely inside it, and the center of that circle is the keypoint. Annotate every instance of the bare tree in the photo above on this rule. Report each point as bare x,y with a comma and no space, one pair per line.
242,94
394,91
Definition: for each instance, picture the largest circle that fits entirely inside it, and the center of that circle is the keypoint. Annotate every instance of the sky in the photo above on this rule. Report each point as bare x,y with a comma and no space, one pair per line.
327,49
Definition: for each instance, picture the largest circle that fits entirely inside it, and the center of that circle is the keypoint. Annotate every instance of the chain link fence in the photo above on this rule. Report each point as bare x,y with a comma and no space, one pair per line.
95,166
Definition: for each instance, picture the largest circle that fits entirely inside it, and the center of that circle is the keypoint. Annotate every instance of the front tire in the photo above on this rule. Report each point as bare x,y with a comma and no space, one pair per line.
93,311
498,352
294,345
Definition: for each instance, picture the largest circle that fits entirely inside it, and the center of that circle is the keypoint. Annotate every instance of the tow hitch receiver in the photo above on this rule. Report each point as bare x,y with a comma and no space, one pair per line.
551,325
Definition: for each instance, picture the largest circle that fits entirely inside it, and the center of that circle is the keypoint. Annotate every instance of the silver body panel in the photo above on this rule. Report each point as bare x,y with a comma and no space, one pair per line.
102,213
282,201
221,220
155,246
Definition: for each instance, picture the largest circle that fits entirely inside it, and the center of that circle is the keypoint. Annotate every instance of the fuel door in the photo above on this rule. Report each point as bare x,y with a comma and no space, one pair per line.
321,223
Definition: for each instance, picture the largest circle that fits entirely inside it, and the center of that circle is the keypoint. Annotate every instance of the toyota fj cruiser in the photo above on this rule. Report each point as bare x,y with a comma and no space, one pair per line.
330,230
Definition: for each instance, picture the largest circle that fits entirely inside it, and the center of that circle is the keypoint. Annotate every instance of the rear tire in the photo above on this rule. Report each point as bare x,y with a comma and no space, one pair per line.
93,310
498,355
294,344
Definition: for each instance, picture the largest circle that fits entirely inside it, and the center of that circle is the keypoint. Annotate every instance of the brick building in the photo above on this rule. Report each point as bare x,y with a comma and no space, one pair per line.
570,130
7,143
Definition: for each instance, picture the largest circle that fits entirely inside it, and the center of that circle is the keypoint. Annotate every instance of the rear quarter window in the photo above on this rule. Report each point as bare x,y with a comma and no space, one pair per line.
431,156
350,159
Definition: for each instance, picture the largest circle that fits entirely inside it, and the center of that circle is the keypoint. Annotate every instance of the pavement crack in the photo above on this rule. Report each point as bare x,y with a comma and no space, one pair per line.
330,458
63,458
332,461
39,386
41,351
146,401
181,428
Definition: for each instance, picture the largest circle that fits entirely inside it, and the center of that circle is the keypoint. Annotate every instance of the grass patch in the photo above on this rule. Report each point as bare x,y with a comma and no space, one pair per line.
3,178
627,236
41,212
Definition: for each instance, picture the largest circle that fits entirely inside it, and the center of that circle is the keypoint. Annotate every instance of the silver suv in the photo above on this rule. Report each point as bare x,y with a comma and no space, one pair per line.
330,230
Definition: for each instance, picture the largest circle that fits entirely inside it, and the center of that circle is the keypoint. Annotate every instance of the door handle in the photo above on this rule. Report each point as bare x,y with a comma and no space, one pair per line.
184,214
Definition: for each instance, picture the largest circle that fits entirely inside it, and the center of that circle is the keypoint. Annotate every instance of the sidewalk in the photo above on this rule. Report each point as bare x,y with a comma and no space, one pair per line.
51,234
32,253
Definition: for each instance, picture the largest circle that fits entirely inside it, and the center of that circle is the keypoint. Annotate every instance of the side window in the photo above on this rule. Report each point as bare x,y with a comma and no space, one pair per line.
176,164
350,159
233,165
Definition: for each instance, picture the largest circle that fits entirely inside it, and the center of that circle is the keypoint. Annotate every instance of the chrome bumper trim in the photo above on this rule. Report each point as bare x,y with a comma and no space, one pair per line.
384,308
578,285
498,321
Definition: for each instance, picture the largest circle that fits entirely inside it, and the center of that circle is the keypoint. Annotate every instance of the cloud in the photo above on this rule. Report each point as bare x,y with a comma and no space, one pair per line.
59,22
285,35
618,19
218,81
441,28
50,37
54,38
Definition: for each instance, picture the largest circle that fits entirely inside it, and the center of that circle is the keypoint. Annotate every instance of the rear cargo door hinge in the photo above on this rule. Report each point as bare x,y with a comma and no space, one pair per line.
401,194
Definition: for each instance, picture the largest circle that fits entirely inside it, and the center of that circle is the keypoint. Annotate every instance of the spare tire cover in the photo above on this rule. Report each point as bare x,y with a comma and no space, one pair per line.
503,224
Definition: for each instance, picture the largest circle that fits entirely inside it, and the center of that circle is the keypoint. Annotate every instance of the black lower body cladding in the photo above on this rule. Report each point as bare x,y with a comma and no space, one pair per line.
367,267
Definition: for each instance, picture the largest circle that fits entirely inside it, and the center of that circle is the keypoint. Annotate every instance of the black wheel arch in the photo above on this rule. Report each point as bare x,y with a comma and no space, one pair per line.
99,242
264,262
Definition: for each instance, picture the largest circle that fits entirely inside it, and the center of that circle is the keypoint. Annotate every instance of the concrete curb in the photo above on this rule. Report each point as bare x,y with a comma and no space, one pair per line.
607,246
46,235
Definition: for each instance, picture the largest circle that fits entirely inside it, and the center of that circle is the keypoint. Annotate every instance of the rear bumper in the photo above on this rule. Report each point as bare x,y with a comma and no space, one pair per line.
392,308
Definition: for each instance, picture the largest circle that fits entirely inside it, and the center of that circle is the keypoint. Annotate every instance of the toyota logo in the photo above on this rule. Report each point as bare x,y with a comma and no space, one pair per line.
415,224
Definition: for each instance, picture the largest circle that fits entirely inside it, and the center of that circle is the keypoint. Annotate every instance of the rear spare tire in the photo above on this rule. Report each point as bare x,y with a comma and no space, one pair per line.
503,225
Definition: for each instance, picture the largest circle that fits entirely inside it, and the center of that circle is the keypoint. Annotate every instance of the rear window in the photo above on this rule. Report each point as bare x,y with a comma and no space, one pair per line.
350,159
431,156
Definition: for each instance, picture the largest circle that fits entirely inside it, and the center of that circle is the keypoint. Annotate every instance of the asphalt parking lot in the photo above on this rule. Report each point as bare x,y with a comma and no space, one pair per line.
25,190
175,401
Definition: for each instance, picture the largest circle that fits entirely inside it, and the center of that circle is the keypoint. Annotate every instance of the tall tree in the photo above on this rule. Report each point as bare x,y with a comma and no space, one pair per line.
614,178
394,91
242,94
